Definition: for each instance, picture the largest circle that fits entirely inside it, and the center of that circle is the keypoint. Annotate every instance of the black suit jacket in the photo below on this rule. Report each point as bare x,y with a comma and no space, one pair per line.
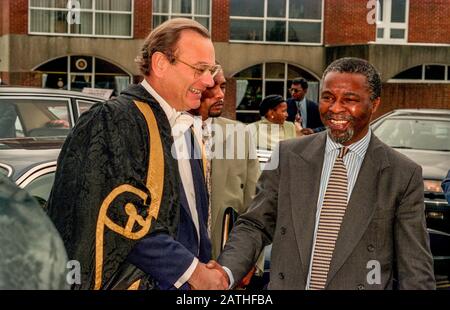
312,118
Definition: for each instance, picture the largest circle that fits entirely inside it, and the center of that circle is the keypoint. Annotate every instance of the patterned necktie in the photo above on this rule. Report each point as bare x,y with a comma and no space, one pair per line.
331,215
207,145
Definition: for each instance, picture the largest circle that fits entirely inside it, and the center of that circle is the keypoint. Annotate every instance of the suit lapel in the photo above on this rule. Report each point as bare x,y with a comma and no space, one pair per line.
305,169
217,169
361,206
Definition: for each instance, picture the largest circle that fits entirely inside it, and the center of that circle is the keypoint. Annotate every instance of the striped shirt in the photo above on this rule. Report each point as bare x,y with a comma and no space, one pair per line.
352,161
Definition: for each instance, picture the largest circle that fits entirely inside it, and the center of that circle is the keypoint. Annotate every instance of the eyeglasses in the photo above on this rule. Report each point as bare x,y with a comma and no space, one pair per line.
295,90
202,69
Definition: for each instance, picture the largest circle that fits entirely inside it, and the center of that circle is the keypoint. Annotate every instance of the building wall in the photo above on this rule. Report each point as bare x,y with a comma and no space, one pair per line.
14,16
398,96
32,51
25,79
345,22
4,17
142,23
391,59
229,108
310,58
220,21
4,53
429,21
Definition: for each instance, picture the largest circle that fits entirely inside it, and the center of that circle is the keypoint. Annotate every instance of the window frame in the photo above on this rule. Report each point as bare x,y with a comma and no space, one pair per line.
91,73
79,101
287,20
192,16
43,97
92,10
387,25
263,79
422,80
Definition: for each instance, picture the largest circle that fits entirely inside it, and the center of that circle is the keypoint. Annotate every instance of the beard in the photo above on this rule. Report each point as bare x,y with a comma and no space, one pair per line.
339,136
215,113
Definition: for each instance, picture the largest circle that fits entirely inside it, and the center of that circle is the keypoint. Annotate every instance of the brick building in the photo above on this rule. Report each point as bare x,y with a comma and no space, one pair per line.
262,44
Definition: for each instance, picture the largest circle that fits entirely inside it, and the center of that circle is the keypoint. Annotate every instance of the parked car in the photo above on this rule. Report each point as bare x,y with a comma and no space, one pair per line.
31,163
38,112
424,136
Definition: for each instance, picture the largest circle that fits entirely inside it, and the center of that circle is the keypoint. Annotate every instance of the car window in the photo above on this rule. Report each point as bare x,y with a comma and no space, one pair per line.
19,129
41,186
4,171
84,105
420,134
34,117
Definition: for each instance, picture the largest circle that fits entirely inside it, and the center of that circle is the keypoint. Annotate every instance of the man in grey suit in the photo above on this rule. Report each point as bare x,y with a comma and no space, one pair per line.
379,241
233,174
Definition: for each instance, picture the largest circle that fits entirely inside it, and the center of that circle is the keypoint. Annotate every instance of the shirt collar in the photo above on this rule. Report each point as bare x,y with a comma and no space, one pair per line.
208,121
174,116
359,147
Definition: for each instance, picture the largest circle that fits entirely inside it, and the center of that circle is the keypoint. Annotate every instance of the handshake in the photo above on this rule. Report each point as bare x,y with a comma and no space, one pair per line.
212,276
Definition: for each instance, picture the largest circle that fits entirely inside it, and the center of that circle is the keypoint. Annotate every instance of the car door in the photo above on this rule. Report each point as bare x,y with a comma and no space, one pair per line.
35,116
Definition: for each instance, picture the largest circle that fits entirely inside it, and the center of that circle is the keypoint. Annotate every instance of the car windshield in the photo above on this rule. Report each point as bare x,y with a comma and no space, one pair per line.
421,134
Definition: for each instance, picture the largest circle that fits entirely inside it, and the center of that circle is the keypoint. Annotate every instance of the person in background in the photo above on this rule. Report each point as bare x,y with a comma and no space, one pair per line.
302,110
272,127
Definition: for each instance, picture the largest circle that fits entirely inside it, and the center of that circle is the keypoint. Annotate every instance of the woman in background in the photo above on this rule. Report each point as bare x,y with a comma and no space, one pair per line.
272,127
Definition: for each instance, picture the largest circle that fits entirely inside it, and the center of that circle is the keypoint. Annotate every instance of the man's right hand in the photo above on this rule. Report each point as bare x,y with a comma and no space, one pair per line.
205,278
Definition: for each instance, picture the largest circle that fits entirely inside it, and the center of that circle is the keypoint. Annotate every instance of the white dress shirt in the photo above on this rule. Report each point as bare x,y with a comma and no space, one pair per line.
180,122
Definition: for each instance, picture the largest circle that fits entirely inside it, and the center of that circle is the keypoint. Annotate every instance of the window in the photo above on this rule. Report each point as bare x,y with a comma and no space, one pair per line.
427,73
100,18
41,187
35,117
392,20
282,21
199,10
259,81
84,105
419,134
77,72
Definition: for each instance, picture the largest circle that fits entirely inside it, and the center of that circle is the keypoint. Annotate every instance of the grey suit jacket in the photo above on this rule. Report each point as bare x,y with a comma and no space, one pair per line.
233,181
384,221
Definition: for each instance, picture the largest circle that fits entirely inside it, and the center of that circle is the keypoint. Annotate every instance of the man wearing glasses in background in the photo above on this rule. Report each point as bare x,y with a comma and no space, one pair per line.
129,206
302,110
